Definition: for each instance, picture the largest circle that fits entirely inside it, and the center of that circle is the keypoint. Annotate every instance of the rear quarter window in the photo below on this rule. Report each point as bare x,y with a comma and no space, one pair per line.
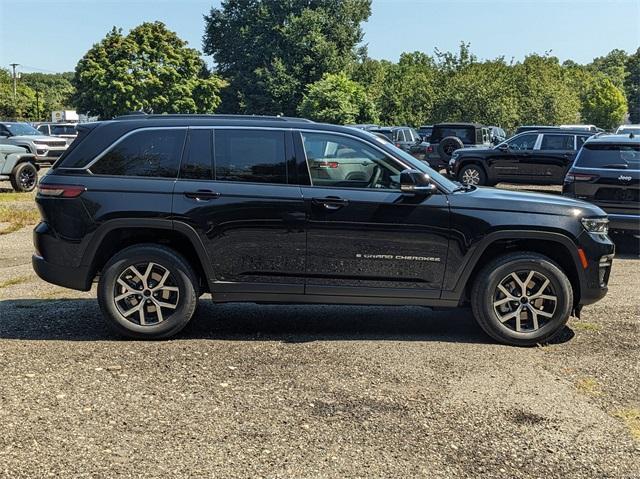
151,153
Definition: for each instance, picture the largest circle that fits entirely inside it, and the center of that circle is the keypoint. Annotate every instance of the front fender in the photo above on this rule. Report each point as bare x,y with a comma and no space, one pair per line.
14,159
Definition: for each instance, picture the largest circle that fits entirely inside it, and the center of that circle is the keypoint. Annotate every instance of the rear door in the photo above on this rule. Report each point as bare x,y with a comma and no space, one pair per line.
552,158
234,191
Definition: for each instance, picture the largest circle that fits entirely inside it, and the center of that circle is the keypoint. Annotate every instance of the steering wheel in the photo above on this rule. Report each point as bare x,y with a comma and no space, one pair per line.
377,174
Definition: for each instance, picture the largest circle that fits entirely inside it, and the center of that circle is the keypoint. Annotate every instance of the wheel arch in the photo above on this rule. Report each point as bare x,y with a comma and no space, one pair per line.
557,247
115,235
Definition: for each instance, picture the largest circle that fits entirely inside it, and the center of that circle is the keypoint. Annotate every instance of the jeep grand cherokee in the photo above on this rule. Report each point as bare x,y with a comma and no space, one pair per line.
161,209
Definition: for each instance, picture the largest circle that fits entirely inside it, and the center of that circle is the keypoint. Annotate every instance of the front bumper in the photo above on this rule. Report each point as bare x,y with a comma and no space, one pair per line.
598,251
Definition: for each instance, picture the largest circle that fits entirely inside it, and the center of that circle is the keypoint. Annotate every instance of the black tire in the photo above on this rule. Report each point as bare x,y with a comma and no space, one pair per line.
486,287
24,177
472,175
447,146
180,276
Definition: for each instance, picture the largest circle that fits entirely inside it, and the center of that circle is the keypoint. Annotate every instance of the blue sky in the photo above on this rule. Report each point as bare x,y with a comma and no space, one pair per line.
51,36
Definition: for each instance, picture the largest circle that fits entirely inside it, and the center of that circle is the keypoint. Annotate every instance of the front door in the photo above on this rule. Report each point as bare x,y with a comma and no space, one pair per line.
250,220
365,237
553,158
510,164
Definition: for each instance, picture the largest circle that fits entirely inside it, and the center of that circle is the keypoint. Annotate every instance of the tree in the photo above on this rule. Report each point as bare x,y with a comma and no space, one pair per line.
337,99
54,92
150,69
632,86
408,90
613,65
604,104
24,105
269,51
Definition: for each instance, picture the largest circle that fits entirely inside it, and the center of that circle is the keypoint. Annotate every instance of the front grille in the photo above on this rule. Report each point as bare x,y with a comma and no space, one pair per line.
617,194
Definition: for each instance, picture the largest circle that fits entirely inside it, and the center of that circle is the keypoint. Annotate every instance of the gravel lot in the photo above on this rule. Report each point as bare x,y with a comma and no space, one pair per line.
312,391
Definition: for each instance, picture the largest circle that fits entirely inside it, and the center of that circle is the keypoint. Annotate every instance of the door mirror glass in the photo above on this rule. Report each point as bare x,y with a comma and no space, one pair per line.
416,183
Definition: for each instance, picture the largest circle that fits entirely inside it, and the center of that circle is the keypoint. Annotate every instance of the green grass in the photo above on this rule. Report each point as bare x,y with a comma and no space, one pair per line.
589,385
18,216
585,326
7,197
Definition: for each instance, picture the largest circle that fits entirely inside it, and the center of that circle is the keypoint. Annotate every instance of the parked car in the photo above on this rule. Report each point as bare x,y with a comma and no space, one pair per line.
498,135
626,129
536,157
44,148
60,130
425,132
162,208
525,128
449,137
18,167
405,138
591,128
607,173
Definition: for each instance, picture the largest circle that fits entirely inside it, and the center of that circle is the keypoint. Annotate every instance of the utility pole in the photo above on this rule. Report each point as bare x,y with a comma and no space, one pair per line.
15,78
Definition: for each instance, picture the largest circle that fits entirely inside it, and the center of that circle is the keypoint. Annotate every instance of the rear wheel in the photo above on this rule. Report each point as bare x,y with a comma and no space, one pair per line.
24,177
472,175
522,299
148,292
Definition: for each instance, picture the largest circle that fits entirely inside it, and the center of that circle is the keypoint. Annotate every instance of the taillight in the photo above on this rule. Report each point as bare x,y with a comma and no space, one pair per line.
429,149
61,191
579,177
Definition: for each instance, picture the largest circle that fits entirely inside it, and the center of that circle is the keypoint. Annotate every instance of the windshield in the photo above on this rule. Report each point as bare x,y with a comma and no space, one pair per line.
602,155
63,130
415,163
19,129
466,134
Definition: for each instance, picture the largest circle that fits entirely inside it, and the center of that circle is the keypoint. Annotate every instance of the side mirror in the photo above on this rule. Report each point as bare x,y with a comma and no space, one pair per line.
414,182
503,147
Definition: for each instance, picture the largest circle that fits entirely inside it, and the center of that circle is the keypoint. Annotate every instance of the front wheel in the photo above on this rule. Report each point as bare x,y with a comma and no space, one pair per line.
148,292
472,175
24,177
522,299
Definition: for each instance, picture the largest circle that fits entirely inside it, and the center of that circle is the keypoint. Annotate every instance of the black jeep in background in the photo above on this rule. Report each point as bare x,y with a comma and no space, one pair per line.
449,137
161,209
540,157
607,173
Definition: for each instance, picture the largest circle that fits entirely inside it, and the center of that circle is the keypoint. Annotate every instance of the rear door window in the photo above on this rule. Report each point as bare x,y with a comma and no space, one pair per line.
152,153
197,161
557,142
256,156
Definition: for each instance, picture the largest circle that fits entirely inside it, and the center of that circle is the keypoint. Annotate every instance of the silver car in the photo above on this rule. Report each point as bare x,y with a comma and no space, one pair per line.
44,148
61,130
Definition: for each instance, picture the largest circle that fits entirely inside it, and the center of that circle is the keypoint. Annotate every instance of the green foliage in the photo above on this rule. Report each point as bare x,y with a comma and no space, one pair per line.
632,86
613,65
150,69
269,51
337,99
604,104
23,106
54,92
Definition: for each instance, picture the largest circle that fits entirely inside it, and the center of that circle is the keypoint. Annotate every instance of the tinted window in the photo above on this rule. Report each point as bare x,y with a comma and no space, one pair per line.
599,155
44,129
153,153
580,139
523,142
250,155
556,142
467,135
197,162
63,130
339,161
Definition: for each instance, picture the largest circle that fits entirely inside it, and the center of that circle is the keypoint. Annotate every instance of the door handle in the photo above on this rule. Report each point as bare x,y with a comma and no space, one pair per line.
202,195
330,202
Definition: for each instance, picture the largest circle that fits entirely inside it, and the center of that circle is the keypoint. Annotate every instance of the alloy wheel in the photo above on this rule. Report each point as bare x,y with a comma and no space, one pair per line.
471,176
147,298
27,178
524,301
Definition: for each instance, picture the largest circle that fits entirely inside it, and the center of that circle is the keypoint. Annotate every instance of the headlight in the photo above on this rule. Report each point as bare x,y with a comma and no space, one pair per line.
598,226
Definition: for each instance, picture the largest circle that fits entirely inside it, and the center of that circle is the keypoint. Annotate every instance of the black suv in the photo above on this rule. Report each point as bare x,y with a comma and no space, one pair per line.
448,137
534,157
607,172
161,209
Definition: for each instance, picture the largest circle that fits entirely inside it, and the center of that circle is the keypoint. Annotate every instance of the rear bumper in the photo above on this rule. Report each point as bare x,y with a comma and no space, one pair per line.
72,278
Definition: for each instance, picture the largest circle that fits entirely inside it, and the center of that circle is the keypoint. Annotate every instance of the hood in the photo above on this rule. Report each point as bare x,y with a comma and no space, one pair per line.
524,202
467,149
39,138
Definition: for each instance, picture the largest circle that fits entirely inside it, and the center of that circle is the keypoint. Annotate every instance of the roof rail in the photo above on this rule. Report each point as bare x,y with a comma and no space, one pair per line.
138,115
